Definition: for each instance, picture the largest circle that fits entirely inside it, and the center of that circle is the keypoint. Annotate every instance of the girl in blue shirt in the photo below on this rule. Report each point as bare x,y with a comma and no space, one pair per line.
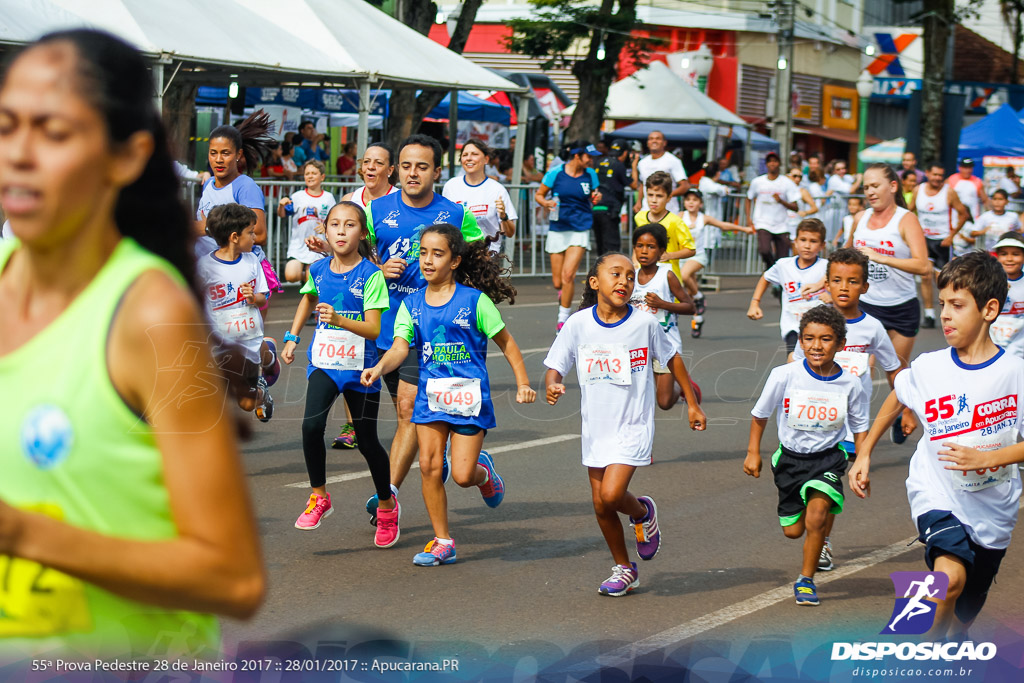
448,324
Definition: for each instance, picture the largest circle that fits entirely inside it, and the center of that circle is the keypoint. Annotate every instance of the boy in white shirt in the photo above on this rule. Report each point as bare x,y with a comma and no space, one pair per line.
963,487
993,223
1008,329
814,401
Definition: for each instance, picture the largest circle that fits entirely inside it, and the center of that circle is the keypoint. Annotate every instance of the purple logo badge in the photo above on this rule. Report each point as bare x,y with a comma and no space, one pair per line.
914,613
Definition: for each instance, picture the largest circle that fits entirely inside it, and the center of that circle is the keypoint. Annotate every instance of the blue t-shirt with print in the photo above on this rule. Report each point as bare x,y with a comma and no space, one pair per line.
575,212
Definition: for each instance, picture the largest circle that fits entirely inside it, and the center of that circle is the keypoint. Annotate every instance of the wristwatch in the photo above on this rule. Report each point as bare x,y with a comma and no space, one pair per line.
289,337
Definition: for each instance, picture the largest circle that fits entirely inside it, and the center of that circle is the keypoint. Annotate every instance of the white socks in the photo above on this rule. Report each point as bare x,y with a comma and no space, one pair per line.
563,313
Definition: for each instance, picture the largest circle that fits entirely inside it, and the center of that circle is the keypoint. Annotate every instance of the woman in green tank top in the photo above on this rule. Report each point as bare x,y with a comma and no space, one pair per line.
124,518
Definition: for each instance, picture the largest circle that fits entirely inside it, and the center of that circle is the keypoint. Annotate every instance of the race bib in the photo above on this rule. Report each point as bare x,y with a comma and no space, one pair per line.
36,601
977,480
1004,329
816,411
854,362
454,395
338,349
238,323
604,364
798,307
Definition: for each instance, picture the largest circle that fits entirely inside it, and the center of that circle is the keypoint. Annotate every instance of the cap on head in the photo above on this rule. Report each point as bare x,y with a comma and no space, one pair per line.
693,191
618,145
967,161
772,155
1010,240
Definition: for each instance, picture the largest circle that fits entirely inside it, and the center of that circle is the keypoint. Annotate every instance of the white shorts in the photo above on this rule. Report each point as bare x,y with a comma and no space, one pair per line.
557,242
700,257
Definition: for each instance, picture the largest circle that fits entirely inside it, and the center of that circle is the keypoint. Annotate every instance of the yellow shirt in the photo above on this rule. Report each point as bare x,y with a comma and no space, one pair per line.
679,236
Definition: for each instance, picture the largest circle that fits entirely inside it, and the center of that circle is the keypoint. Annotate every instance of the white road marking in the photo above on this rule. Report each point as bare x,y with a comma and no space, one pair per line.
741,609
497,449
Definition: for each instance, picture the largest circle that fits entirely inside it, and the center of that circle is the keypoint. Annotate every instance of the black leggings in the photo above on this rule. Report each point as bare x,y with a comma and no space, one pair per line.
766,240
320,396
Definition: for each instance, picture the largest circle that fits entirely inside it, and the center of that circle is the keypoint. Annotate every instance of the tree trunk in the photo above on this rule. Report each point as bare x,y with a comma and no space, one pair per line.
179,107
938,17
595,75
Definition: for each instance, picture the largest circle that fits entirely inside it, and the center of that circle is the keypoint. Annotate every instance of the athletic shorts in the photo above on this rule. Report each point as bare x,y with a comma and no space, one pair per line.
904,318
408,371
700,257
937,254
791,339
943,534
796,474
242,372
558,241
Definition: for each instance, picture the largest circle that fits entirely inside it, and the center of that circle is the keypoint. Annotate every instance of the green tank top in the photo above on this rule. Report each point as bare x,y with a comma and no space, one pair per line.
73,450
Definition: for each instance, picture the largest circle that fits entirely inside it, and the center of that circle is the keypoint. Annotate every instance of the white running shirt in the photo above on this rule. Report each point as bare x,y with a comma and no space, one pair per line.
618,419
934,213
658,285
1007,329
769,214
975,405
361,197
480,200
791,277
669,163
310,211
233,320
889,286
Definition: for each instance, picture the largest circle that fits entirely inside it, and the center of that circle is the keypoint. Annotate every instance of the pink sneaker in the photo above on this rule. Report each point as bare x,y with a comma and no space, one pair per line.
318,508
387,526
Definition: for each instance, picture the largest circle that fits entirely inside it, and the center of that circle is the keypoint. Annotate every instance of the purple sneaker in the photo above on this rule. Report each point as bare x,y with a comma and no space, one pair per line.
622,580
648,537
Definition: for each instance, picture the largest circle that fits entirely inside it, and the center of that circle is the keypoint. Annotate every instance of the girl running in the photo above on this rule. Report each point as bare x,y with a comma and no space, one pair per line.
612,346
349,294
447,324
113,468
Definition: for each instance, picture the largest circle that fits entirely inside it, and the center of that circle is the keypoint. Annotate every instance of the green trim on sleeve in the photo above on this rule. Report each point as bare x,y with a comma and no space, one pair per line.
403,324
488,320
309,287
369,227
375,293
470,229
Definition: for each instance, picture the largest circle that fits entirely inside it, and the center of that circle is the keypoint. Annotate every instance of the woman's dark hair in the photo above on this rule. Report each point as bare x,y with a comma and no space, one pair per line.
655,230
393,178
365,250
484,149
114,78
589,293
890,177
286,147
477,269
252,136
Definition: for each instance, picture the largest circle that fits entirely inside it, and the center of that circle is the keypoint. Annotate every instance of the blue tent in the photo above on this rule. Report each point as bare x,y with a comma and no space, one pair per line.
998,134
472,109
693,133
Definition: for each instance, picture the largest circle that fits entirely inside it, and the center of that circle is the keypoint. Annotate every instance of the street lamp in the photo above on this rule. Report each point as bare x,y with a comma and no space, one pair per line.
865,86
702,62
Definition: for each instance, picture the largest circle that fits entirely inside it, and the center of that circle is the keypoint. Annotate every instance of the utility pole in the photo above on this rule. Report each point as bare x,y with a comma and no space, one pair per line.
782,122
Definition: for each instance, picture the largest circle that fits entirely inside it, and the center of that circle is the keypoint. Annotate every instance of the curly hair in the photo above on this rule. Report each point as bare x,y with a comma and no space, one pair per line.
824,315
477,269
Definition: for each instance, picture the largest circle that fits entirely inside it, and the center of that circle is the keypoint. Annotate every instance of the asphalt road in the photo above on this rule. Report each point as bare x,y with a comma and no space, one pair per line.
522,598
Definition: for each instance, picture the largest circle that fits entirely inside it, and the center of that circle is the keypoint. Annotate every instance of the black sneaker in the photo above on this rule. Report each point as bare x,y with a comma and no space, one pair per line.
700,305
896,434
929,323
265,410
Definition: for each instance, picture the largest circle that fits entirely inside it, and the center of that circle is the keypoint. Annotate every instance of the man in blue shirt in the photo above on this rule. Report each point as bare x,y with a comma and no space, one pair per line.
311,142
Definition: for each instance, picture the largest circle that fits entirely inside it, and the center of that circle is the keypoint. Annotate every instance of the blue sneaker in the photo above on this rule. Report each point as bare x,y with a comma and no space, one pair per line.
434,554
896,434
623,580
494,490
446,463
648,536
806,593
373,501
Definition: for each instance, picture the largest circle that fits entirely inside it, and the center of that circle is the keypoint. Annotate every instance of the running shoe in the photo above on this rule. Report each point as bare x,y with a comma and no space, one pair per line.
274,371
896,434
347,437
622,580
387,526
825,563
318,508
446,463
434,554
929,323
494,490
372,502
806,593
700,305
648,536
265,409
695,327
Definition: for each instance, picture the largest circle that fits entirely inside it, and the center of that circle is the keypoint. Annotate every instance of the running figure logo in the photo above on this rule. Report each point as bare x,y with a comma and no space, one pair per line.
962,404
914,613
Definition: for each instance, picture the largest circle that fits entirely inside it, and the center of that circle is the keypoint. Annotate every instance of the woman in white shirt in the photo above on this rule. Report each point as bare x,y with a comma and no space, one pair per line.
377,169
485,197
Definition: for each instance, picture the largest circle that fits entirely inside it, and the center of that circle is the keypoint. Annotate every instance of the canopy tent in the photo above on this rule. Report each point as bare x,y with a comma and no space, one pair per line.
691,133
657,94
885,152
998,134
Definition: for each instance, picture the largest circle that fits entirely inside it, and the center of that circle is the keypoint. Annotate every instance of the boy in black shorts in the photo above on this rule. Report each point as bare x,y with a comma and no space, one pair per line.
813,401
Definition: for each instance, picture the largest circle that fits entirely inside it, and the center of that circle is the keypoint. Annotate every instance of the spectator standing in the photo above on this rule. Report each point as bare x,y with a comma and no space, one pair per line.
909,163
659,160
613,179
312,142
346,164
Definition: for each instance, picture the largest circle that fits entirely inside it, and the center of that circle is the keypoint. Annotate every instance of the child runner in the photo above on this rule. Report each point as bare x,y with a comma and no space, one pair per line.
854,205
1006,330
996,221
349,294
447,325
308,211
656,291
846,278
963,487
235,286
611,347
815,401
696,221
658,189
792,273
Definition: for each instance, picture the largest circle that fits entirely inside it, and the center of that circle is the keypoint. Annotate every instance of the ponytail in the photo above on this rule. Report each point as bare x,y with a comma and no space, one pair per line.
252,136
